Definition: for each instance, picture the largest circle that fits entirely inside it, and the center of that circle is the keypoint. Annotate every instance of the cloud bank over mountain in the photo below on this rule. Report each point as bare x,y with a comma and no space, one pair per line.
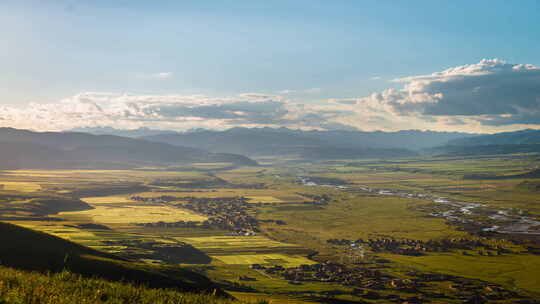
489,93
488,96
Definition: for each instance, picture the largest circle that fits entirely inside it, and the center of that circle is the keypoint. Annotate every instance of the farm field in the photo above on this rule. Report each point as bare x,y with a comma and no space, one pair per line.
225,242
19,186
130,213
291,217
264,196
264,259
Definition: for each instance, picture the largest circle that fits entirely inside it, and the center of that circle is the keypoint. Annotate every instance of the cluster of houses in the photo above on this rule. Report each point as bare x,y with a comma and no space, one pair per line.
158,199
227,213
418,247
374,284
224,213
214,182
323,199
328,272
179,224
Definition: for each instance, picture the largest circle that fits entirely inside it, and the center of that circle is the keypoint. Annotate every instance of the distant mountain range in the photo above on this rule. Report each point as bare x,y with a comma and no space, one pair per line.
140,132
523,141
256,142
522,137
27,149
309,144
55,150
313,145
410,139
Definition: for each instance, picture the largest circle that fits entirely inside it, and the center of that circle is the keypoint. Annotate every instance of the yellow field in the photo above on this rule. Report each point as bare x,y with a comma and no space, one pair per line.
127,214
275,299
33,173
264,199
211,165
272,258
226,242
58,229
107,199
20,186
100,175
254,195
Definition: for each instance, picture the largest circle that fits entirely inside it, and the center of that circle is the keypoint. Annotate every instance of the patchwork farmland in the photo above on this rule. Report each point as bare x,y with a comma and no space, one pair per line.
283,230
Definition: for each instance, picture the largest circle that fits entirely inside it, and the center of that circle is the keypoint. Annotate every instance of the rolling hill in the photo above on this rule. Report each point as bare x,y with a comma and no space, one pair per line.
27,249
56,150
40,268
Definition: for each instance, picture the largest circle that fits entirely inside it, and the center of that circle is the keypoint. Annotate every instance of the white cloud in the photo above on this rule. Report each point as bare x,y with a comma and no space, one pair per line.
490,87
127,111
488,96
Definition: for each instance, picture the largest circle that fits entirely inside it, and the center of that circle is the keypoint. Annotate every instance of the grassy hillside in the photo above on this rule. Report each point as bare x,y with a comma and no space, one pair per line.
68,288
26,249
41,268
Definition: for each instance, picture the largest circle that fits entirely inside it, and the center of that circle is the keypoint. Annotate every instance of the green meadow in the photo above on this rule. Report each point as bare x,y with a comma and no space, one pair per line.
94,208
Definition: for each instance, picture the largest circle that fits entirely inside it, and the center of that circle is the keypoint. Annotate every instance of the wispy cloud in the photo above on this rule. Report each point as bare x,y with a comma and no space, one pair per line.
308,91
158,75
162,75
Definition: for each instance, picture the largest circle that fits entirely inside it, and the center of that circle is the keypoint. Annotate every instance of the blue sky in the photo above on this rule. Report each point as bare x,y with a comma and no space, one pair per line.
304,52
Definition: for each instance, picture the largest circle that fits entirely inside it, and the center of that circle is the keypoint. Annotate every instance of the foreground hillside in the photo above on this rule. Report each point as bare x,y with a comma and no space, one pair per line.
27,249
71,273
68,288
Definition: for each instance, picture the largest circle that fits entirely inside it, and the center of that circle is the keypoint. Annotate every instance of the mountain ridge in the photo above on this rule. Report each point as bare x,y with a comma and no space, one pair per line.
526,136
56,150
308,144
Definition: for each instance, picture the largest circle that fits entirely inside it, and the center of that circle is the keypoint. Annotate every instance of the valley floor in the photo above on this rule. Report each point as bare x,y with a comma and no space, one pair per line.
414,230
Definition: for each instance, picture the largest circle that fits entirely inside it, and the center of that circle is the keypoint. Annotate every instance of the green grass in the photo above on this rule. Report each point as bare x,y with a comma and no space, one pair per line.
21,287
512,271
307,227
362,217
26,249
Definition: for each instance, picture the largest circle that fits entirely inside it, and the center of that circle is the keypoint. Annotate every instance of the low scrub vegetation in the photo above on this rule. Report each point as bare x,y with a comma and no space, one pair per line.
68,288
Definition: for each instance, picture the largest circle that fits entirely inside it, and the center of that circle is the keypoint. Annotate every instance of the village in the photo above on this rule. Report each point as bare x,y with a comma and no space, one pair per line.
211,183
367,278
417,247
225,213
375,284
